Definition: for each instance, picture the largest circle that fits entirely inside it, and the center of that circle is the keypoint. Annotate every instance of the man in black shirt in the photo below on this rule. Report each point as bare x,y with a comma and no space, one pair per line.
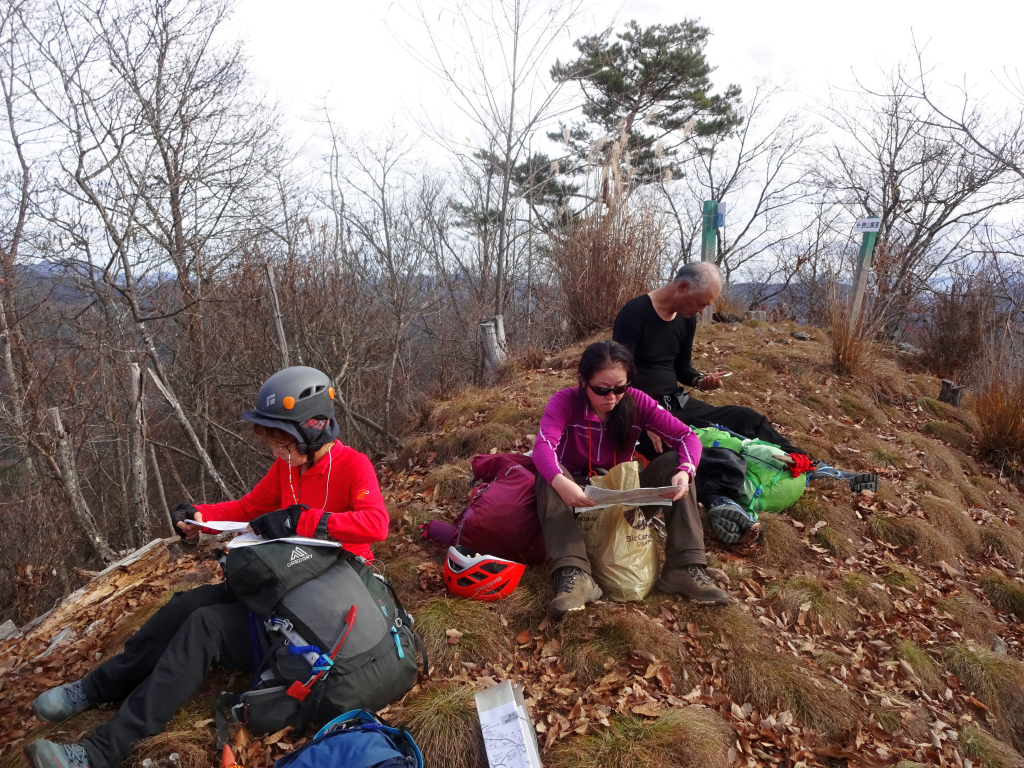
658,329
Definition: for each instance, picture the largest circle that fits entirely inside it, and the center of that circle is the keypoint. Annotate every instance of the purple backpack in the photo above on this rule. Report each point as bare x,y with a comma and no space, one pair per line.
501,519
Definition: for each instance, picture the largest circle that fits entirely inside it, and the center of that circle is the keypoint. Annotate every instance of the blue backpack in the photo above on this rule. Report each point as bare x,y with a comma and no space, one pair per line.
357,739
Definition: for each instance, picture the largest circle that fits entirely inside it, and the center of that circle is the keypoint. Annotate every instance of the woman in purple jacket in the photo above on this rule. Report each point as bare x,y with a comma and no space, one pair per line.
594,427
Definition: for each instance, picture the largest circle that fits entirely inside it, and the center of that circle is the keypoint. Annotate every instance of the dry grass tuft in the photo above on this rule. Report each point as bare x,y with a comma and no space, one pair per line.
451,482
1004,539
930,544
730,625
511,413
999,408
824,606
936,456
595,641
443,717
692,737
447,415
869,593
900,577
975,618
780,543
603,260
1005,594
949,433
775,682
191,746
998,681
481,439
862,409
850,339
414,451
483,638
981,746
947,517
924,666
947,412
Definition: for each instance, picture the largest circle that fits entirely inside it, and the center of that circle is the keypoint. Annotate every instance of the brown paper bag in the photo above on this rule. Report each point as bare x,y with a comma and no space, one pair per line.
620,544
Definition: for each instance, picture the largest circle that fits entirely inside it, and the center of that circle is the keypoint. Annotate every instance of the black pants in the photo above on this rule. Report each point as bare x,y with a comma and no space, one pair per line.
163,664
563,538
741,420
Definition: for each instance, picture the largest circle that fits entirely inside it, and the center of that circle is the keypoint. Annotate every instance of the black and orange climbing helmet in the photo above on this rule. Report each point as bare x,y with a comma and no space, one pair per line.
300,401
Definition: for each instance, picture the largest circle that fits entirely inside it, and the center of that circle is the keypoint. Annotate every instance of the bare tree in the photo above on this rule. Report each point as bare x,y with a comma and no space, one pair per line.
493,60
759,169
933,188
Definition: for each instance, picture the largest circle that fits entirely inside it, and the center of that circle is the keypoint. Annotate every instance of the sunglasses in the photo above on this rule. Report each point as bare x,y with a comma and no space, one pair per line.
605,391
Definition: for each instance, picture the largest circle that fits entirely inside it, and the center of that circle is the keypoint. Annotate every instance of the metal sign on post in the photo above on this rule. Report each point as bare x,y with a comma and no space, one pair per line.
709,241
869,226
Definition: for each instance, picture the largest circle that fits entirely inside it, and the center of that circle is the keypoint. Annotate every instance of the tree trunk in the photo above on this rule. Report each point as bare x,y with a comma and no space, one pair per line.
69,479
193,438
951,393
492,336
165,526
275,306
138,501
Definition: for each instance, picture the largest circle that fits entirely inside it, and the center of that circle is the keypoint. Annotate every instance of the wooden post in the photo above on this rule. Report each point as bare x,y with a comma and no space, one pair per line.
869,226
282,341
69,479
138,489
204,457
951,393
709,242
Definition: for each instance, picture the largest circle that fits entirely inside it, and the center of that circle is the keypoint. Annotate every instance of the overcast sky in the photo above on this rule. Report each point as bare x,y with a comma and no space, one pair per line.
305,49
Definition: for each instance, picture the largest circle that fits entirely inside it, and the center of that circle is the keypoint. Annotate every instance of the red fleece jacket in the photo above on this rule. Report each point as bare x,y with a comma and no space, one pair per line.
342,484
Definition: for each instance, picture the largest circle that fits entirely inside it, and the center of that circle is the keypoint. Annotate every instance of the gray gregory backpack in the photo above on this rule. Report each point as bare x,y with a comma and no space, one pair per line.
335,636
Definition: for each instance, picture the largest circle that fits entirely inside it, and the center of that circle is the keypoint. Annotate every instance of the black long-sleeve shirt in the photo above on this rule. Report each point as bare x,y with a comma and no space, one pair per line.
662,349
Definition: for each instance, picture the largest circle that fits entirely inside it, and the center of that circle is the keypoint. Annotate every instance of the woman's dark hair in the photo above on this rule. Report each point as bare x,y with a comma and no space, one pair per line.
596,358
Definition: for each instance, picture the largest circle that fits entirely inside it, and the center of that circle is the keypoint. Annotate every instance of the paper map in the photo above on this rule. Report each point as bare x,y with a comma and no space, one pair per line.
503,737
251,539
634,498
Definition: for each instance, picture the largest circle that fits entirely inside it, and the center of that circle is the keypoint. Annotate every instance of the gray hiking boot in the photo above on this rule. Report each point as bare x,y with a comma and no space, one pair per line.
58,704
45,754
731,523
574,588
692,582
858,481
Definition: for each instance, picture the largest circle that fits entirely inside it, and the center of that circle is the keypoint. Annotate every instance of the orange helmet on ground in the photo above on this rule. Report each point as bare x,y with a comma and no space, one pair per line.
480,577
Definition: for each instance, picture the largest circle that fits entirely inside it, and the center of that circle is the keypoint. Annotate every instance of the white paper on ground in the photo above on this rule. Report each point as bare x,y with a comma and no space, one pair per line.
508,733
251,539
633,498
224,525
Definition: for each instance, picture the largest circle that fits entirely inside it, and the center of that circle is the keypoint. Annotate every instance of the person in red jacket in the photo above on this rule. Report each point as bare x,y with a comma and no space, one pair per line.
316,488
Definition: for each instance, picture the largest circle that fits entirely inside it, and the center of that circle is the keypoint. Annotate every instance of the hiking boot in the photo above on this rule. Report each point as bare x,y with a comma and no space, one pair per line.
692,582
58,704
574,588
45,754
731,523
858,481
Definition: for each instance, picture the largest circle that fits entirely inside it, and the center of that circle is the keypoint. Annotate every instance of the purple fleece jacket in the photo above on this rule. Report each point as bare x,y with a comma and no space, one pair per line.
569,429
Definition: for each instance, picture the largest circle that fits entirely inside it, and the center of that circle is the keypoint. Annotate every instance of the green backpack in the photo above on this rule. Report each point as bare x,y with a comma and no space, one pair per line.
769,485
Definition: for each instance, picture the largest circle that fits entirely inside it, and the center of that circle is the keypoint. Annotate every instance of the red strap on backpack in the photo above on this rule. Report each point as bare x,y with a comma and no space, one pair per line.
299,691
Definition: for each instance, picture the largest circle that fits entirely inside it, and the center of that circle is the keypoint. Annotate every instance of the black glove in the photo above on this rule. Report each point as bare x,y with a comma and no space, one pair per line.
279,524
183,513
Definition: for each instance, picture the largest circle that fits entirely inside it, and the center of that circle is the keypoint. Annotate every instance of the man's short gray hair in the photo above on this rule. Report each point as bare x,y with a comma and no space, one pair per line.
699,274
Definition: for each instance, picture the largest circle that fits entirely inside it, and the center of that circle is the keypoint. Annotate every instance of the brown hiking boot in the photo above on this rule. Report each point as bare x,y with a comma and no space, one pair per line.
574,588
692,582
